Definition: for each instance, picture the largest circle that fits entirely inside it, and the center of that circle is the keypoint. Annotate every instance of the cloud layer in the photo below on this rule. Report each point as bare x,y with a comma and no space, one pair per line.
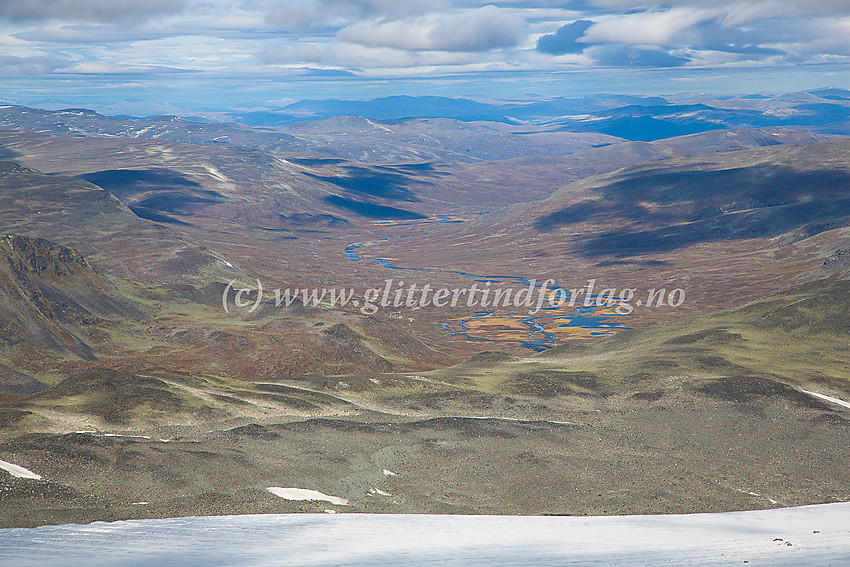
475,30
122,11
388,40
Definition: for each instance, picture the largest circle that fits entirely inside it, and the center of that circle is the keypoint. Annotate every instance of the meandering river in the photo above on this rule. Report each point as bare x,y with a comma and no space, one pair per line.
553,325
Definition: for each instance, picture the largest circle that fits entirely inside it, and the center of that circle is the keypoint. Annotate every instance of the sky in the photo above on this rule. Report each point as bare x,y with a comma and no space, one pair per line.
154,56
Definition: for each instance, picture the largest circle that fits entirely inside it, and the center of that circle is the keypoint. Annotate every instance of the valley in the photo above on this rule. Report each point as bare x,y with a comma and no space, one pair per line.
129,390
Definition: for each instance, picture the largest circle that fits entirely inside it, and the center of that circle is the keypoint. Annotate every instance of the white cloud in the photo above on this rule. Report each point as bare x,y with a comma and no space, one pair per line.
292,53
348,55
474,30
87,10
16,66
301,15
647,28
88,34
811,7
821,37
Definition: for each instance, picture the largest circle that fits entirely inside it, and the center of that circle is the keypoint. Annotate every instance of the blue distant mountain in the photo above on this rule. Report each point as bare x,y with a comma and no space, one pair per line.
634,118
397,107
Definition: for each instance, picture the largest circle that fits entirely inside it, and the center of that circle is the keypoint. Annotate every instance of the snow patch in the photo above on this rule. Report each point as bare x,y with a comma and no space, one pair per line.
389,473
18,471
836,401
214,172
518,420
99,434
306,494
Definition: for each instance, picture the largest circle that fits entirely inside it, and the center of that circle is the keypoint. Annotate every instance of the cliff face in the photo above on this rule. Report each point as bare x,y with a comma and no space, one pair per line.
52,301
61,282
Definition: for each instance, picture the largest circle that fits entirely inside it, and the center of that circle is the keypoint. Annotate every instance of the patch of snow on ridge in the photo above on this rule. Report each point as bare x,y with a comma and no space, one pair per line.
95,433
836,401
306,494
19,471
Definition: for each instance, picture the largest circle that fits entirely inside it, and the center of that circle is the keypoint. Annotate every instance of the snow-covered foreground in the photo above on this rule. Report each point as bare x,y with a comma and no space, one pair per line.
812,536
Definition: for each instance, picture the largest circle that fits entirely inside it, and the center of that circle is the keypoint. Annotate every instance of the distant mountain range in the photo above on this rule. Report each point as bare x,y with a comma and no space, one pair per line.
632,118
629,117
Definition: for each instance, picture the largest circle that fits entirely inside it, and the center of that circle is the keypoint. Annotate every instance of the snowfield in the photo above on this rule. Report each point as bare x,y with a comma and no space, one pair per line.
811,536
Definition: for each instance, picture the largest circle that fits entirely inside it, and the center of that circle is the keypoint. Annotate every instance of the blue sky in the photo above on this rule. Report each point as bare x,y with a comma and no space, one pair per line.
159,55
